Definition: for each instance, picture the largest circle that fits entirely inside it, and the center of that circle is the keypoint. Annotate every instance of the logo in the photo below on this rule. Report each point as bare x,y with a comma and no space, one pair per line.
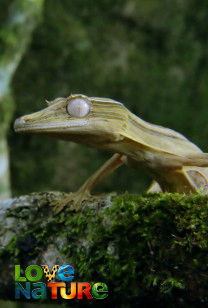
30,286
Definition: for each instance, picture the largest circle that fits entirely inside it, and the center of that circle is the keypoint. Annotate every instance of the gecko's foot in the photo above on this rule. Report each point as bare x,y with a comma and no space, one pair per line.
73,200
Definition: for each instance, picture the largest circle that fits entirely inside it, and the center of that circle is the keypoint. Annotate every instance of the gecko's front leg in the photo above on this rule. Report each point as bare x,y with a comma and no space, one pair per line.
84,193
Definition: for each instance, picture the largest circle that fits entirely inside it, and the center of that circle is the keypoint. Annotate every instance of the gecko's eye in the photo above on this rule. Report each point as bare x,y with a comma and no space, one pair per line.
78,107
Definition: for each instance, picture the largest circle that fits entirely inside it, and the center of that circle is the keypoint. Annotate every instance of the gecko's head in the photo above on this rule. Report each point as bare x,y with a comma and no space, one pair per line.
78,118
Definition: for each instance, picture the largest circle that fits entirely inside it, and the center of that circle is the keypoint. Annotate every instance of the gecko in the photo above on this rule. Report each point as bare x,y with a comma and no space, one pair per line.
174,163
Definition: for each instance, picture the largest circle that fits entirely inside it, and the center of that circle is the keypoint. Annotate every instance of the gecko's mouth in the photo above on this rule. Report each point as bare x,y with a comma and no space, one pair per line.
71,131
21,126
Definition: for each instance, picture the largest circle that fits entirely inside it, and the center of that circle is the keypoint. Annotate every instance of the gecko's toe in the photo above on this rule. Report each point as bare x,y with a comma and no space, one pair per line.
74,201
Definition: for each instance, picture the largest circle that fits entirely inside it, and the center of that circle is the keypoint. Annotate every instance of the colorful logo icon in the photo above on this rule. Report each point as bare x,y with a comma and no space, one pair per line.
30,286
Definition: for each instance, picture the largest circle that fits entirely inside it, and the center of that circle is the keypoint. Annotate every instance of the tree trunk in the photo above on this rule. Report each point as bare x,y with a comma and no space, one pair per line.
15,36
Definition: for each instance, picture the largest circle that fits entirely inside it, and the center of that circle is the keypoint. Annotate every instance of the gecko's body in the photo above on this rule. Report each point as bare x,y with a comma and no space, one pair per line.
174,163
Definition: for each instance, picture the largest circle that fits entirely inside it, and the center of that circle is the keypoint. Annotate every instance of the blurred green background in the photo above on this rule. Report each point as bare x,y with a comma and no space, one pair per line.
152,55
149,54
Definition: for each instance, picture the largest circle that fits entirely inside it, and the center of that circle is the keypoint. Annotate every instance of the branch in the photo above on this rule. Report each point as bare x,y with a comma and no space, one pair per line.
147,249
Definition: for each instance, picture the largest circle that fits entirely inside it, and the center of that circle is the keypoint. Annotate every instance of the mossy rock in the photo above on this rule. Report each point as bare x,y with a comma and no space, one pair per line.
146,248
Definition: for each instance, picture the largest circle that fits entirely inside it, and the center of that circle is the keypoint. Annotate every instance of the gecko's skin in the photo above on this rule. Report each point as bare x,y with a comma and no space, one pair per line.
174,163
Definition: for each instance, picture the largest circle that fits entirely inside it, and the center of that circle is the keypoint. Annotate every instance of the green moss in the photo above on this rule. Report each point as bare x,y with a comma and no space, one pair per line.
142,246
